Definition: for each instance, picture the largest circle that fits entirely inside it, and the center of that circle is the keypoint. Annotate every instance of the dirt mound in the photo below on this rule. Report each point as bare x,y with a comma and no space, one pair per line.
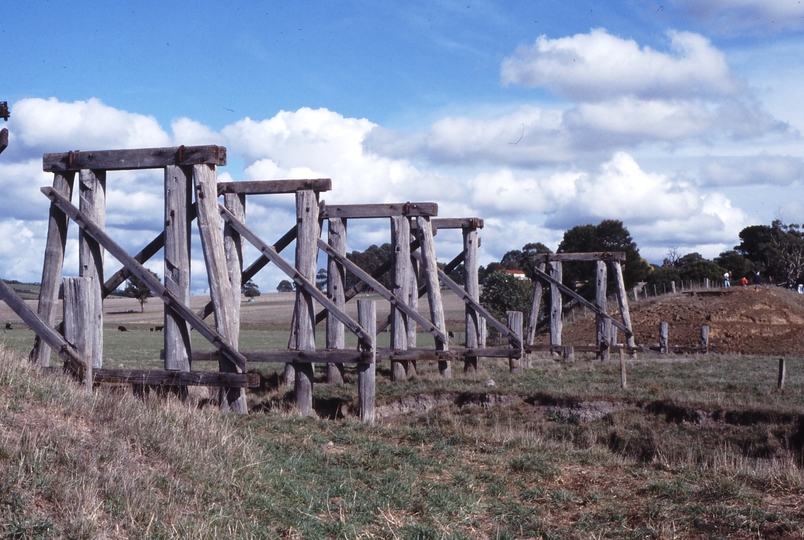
761,320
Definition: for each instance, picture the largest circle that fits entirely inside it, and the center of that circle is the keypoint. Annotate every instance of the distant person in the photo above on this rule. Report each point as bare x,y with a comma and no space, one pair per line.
757,279
726,280
744,281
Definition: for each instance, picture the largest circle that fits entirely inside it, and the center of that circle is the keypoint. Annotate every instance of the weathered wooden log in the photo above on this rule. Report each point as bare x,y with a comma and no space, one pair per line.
151,377
704,339
336,288
178,201
140,158
306,259
663,337
605,341
556,305
52,267
472,287
622,301
80,313
515,323
601,282
92,203
366,211
568,353
673,287
430,267
623,380
220,287
400,243
535,307
271,187
366,375
412,301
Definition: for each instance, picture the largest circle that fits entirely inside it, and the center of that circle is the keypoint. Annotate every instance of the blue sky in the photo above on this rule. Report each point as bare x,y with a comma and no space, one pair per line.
682,118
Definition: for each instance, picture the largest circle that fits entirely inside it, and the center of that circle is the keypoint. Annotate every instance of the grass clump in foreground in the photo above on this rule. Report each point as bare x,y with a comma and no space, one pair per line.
75,465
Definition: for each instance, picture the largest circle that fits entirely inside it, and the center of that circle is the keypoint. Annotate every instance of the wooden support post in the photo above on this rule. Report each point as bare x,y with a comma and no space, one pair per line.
622,301
780,381
623,381
53,265
413,301
515,322
535,307
92,193
472,286
220,287
366,373
605,341
663,337
400,244
704,339
568,353
233,249
80,314
636,294
673,287
706,283
178,199
336,289
556,306
425,232
306,257
600,302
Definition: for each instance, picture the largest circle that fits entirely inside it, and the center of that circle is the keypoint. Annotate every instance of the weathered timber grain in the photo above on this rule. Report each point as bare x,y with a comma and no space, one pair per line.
457,223
73,362
535,307
136,269
368,211
220,287
623,375
306,260
472,287
622,300
177,378
556,305
367,373
53,265
704,339
412,301
176,238
142,158
274,187
579,257
92,203
429,264
80,313
663,337
336,283
515,323
601,281
400,243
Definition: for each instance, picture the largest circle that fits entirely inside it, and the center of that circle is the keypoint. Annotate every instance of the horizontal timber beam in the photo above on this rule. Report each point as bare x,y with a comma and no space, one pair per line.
176,378
353,356
142,158
272,187
367,211
579,257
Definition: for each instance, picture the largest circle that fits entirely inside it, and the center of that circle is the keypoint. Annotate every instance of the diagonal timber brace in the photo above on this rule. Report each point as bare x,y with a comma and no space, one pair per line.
217,340
382,291
294,274
566,290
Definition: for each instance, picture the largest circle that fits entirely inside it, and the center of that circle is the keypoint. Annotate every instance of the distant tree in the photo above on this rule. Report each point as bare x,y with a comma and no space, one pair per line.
250,289
369,260
779,249
503,292
139,290
693,266
284,286
608,235
735,263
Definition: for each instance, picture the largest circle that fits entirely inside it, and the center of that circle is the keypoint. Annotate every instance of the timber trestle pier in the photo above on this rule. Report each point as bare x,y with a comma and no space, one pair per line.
192,192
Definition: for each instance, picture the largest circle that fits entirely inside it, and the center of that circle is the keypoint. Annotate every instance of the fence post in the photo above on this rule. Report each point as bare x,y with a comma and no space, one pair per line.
470,274
568,353
600,302
413,301
80,314
704,339
556,306
780,382
92,203
604,350
515,319
673,287
400,241
366,373
424,230
336,282
663,337
623,381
